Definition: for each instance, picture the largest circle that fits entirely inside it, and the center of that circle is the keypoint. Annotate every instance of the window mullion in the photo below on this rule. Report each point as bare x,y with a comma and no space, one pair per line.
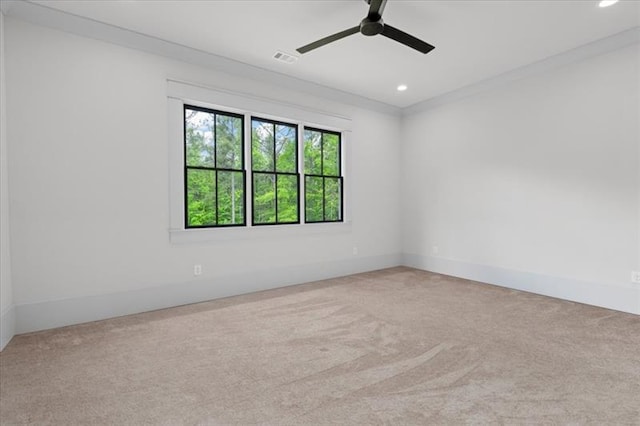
248,193
216,183
215,162
275,172
275,194
301,178
322,154
324,193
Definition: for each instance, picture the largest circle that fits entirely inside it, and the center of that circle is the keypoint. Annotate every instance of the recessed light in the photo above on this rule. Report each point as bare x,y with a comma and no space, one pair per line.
607,3
402,88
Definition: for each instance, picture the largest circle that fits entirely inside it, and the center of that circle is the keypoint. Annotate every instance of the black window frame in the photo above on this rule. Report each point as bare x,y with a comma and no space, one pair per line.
215,168
324,176
275,171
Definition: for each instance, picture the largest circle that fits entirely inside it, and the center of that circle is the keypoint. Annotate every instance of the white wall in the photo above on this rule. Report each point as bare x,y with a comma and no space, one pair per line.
6,301
89,188
533,185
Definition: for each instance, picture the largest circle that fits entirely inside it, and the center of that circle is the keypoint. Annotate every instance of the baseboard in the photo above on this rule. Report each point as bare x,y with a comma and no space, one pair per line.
52,314
7,326
620,297
24,318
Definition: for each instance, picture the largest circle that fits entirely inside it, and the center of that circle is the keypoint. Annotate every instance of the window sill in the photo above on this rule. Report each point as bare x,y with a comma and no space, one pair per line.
212,235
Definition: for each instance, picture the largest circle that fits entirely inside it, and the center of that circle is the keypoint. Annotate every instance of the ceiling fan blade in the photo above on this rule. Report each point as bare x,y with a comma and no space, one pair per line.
376,8
329,39
406,39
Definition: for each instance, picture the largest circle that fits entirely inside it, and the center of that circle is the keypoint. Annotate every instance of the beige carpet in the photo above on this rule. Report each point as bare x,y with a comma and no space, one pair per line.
397,346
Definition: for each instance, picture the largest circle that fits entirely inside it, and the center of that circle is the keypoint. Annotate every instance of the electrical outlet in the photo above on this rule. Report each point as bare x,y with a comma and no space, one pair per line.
635,277
435,250
355,251
197,270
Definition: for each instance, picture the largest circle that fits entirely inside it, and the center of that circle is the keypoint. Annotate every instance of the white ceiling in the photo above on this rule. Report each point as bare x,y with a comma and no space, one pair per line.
474,40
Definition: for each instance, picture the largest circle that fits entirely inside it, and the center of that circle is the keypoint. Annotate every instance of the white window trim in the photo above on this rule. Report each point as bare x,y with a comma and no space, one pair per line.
181,93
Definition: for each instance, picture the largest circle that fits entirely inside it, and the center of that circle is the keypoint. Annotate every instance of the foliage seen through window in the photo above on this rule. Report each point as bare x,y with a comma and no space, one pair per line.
274,157
214,168
323,180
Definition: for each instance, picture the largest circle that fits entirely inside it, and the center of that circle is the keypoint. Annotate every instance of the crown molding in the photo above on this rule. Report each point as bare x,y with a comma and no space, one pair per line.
53,18
604,45
48,17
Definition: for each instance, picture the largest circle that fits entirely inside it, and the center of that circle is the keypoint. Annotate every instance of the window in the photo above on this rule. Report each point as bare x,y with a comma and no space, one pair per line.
322,176
274,167
236,167
213,168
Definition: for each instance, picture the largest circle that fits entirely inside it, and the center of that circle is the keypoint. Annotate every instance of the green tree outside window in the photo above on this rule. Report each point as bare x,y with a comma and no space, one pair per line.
214,168
323,179
274,159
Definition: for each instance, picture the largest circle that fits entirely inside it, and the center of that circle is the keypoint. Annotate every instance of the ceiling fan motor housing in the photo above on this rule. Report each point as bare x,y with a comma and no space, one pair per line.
371,28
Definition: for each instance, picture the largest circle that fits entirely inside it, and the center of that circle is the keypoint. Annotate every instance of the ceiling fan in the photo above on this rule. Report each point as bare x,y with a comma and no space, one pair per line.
372,25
